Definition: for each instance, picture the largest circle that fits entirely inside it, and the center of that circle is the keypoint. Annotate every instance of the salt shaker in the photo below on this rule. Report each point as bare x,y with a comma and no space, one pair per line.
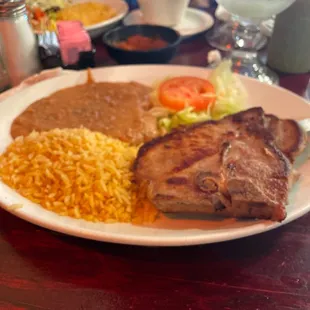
289,47
18,44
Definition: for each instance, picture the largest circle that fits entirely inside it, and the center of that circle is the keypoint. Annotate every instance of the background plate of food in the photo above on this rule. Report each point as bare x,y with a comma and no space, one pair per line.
117,155
97,16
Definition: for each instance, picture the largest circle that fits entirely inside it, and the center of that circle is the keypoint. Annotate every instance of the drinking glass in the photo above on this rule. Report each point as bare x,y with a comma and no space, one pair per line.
222,37
249,14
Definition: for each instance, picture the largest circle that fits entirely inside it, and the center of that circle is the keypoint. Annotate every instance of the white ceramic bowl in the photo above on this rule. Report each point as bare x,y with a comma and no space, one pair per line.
121,8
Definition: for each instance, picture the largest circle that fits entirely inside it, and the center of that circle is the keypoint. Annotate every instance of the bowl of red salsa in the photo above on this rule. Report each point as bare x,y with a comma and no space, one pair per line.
138,44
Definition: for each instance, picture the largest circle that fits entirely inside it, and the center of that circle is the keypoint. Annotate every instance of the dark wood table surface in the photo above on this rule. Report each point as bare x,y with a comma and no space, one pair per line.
40,269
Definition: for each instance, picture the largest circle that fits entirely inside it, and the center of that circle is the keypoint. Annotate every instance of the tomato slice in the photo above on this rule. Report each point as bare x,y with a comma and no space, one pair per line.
38,13
180,92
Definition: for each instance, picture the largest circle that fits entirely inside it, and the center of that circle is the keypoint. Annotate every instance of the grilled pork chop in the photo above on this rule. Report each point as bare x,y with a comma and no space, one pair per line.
240,166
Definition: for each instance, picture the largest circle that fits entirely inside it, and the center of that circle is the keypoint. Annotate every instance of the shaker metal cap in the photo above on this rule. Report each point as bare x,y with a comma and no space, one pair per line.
12,8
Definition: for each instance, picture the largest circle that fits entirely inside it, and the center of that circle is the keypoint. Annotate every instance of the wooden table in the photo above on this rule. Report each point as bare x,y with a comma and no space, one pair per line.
40,269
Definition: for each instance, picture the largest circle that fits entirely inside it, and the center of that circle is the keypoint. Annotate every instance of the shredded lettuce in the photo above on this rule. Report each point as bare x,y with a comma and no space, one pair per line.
186,116
231,94
231,98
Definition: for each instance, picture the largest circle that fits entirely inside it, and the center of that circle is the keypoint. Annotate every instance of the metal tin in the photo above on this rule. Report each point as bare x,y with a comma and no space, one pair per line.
18,44
12,8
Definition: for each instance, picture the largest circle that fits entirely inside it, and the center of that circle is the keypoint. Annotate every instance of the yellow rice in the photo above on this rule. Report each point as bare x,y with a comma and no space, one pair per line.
76,172
89,13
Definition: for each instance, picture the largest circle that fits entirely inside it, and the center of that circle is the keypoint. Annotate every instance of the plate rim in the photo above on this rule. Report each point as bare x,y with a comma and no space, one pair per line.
152,241
203,238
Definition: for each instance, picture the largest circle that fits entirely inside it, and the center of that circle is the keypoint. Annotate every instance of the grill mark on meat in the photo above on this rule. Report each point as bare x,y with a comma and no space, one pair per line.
257,204
177,181
163,197
210,174
198,155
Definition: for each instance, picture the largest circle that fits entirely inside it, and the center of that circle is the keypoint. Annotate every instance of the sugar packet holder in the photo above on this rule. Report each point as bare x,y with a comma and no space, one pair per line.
69,48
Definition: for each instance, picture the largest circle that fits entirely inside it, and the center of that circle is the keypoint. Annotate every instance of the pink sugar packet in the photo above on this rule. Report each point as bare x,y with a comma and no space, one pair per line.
73,39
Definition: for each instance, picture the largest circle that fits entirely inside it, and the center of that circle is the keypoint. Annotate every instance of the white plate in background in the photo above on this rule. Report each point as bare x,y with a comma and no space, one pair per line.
194,21
121,9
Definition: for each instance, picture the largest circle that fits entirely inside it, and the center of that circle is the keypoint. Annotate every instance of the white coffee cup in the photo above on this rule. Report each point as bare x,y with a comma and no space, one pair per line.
163,12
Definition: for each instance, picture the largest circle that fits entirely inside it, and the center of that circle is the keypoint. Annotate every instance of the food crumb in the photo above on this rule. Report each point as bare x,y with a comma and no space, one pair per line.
15,206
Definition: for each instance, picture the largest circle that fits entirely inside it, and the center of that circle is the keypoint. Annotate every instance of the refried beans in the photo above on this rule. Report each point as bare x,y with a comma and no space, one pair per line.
119,110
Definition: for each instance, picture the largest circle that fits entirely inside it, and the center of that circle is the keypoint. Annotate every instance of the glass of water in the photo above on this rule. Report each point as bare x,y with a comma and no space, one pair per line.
222,37
249,14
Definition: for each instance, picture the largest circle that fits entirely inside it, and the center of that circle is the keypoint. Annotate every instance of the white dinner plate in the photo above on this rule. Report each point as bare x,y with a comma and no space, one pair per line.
121,9
194,21
176,231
